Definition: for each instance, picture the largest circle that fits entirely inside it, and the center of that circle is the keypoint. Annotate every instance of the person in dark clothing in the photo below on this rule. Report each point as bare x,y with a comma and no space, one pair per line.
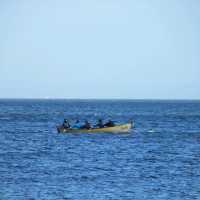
109,124
86,125
66,124
99,124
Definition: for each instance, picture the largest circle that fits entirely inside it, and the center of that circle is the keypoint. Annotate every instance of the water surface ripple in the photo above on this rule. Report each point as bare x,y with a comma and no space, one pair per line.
159,159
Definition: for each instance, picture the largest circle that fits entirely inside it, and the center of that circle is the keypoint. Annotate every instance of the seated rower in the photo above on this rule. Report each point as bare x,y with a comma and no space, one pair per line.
77,124
86,125
66,124
109,124
99,124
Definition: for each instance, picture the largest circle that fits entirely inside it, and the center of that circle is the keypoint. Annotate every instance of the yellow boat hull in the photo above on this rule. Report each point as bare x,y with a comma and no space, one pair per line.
122,128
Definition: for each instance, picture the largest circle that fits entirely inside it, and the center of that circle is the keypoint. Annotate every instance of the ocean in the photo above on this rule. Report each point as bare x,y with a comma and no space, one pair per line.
158,159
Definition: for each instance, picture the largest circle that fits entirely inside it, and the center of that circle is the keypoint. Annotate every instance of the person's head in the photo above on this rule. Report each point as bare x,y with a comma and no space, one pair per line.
65,120
77,121
100,120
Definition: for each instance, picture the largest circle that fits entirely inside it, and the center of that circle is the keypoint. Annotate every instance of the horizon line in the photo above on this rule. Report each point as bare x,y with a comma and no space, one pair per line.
131,99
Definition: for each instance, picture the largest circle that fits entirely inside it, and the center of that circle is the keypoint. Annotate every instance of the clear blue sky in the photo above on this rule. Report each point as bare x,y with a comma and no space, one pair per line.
100,49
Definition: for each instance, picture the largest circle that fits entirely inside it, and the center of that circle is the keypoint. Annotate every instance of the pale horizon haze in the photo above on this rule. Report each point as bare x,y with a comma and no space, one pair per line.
100,49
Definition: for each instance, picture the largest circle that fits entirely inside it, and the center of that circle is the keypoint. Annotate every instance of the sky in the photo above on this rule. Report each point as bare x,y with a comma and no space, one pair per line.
129,49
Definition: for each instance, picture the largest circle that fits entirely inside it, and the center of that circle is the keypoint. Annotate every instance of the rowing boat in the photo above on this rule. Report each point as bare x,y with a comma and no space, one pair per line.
121,128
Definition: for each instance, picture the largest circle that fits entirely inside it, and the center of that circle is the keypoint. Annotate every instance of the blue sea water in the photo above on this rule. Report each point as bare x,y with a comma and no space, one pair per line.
158,159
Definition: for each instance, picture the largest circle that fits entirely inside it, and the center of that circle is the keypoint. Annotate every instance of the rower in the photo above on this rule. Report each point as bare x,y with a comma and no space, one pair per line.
86,125
66,124
109,124
77,124
99,124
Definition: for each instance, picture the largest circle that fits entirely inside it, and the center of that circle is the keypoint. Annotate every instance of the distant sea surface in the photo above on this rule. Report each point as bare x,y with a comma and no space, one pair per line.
158,159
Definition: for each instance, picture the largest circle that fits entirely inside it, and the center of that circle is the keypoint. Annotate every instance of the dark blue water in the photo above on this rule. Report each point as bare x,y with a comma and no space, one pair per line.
159,159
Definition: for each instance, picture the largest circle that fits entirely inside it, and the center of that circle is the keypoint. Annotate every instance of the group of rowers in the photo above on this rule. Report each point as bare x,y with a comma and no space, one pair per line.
87,125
